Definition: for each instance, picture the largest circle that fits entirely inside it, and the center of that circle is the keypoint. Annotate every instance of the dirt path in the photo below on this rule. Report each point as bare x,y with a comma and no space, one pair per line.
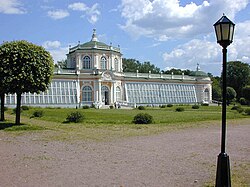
180,158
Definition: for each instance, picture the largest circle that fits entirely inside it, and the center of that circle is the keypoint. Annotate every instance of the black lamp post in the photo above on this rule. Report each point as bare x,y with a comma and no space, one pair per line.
224,29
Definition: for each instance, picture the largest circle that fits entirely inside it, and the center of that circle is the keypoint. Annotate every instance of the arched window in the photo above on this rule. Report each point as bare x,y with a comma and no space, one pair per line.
86,93
86,62
118,93
206,95
116,65
103,63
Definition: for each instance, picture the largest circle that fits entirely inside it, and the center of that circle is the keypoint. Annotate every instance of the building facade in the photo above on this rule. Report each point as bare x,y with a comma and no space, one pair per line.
94,76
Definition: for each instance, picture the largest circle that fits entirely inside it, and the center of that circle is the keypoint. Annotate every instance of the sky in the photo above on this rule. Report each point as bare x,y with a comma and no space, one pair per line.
168,33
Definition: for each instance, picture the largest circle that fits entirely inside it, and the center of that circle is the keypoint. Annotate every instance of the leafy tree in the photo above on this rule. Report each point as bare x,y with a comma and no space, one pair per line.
146,67
246,93
132,65
216,88
62,64
177,71
238,74
26,68
231,94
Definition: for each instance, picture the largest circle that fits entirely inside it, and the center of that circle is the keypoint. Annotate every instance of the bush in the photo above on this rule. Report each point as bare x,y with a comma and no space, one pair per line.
5,108
247,111
162,106
141,108
243,101
237,108
25,107
85,107
38,113
170,105
195,107
111,107
179,109
205,104
143,118
75,117
14,110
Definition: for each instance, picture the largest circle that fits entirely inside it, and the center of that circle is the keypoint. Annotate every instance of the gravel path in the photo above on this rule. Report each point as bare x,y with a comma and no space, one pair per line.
180,158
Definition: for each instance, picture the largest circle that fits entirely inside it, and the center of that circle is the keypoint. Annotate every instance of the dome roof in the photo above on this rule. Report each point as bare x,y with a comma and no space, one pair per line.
94,44
198,72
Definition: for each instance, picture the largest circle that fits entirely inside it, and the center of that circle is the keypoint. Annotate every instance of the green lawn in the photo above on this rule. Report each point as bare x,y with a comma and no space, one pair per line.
163,116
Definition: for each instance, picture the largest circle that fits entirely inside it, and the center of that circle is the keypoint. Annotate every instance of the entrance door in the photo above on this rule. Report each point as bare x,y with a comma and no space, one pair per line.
105,95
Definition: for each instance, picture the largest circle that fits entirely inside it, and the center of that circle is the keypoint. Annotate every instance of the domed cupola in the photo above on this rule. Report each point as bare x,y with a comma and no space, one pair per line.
198,72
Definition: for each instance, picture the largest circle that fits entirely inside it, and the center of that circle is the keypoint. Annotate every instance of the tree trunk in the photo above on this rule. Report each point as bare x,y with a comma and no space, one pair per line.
2,106
18,108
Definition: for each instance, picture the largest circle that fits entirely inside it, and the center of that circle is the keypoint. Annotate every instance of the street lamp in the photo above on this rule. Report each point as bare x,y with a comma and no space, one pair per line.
224,29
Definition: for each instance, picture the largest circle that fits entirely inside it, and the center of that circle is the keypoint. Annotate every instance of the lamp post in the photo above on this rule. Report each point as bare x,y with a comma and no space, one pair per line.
224,29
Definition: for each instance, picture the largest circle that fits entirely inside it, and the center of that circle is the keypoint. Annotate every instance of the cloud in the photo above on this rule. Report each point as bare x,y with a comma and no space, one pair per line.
92,13
57,51
51,44
58,14
165,19
11,7
208,54
78,6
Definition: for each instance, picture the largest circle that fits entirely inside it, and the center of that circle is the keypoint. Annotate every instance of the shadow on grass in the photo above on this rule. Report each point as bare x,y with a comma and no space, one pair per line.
5,125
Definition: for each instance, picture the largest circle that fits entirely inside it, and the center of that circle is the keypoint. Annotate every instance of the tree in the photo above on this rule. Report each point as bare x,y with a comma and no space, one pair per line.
231,94
246,93
177,71
27,68
238,74
216,88
132,65
61,64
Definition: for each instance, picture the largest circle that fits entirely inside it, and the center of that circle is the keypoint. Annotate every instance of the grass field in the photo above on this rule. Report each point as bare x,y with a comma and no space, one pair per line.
111,123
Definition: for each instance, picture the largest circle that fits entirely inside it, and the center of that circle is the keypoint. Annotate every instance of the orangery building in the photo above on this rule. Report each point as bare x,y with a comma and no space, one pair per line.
94,76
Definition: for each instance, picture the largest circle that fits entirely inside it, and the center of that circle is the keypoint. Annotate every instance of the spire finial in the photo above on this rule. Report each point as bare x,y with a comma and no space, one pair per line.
198,67
94,38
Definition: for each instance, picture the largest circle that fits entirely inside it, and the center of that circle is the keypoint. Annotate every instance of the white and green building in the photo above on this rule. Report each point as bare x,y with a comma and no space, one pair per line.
94,76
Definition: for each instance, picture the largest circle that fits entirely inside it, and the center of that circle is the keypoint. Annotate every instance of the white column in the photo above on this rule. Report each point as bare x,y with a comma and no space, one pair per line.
100,91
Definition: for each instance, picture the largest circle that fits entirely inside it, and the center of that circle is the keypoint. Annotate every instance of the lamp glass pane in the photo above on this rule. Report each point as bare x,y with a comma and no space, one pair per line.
225,31
218,32
231,32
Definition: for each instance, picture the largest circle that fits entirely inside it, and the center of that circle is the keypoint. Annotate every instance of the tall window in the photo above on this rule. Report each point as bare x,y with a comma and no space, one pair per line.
116,65
103,63
206,95
118,93
86,93
86,62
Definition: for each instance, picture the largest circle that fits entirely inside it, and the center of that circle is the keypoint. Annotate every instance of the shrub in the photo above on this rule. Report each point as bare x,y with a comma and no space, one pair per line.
25,107
179,109
5,108
243,101
162,106
111,107
195,107
14,110
237,108
141,108
205,104
170,105
247,111
75,117
143,118
38,113
85,107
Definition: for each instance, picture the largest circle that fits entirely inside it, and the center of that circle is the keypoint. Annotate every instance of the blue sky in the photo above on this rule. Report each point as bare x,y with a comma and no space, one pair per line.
168,33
